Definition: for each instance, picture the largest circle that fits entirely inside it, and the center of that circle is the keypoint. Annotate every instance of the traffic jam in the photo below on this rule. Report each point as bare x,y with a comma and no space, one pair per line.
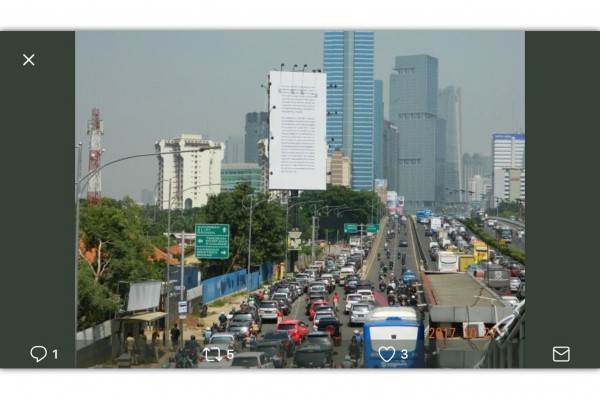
350,309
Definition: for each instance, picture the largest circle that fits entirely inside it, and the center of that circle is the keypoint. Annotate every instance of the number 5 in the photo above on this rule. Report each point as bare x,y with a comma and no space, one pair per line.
230,354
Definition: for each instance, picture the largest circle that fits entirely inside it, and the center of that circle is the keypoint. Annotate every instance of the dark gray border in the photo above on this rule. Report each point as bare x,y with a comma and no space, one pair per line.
37,108
562,103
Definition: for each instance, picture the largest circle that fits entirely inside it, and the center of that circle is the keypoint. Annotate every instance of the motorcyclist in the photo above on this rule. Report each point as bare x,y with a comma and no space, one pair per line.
391,298
222,321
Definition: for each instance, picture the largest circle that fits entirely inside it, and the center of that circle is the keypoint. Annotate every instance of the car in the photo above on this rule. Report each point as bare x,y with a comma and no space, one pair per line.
316,287
274,349
313,356
226,338
240,329
246,317
515,285
322,339
359,312
327,313
287,290
403,243
252,359
366,294
311,309
350,285
295,328
284,338
331,326
352,298
281,296
268,310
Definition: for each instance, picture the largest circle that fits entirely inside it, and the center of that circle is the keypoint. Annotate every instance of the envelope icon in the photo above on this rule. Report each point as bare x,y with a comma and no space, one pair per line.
561,354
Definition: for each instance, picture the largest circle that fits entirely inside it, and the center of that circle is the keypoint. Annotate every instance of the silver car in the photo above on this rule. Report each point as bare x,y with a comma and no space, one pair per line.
359,312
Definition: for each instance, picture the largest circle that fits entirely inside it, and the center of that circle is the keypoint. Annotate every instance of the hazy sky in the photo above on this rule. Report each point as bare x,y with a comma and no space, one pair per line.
152,85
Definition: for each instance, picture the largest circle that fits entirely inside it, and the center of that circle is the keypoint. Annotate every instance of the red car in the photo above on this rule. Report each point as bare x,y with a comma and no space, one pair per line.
312,311
295,328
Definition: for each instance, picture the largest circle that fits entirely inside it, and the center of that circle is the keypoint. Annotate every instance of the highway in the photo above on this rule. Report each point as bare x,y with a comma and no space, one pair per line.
517,243
370,271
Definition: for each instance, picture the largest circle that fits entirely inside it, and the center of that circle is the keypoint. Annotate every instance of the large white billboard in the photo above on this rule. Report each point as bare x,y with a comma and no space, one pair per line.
297,124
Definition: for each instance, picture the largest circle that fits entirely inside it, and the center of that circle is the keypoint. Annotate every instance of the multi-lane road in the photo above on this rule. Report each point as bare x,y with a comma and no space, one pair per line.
370,271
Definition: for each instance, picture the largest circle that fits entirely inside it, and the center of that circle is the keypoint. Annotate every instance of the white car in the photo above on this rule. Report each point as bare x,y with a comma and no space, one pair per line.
366,294
359,312
352,298
515,284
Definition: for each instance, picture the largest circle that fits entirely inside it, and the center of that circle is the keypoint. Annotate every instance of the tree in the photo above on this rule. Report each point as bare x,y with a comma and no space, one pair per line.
268,225
115,249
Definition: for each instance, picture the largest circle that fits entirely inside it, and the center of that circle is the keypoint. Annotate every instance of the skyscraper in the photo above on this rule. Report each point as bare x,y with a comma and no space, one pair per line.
413,109
475,164
348,62
508,152
450,109
234,150
257,127
378,130
390,154
193,176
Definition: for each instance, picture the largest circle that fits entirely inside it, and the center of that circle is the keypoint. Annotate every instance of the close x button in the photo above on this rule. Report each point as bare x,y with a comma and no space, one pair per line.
28,60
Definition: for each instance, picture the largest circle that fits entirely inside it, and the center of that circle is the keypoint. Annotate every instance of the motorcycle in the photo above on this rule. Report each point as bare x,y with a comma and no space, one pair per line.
403,300
381,286
391,298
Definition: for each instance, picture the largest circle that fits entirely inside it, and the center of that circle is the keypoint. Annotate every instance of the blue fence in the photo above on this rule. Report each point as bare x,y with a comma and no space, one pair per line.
223,285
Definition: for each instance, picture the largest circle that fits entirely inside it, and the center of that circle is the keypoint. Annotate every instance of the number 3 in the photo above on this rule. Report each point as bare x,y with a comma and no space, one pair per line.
403,354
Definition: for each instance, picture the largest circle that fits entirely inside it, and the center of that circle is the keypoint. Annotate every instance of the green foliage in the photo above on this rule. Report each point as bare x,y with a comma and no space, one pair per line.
501,247
96,302
268,225
363,207
117,229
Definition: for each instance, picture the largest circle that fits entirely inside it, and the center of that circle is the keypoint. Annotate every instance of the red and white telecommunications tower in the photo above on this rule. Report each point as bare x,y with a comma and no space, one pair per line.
95,132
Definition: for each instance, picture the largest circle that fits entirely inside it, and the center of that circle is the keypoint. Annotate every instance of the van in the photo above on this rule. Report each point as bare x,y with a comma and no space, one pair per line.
344,272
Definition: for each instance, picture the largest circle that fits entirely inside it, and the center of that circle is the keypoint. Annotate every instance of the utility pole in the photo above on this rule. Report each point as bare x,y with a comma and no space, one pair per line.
312,243
181,285
249,248
168,271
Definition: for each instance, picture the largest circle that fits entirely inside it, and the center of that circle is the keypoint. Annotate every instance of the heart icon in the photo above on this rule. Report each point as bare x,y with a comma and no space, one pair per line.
389,350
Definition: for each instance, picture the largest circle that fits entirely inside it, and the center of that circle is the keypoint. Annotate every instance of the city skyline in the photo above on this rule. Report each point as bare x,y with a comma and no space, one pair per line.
193,82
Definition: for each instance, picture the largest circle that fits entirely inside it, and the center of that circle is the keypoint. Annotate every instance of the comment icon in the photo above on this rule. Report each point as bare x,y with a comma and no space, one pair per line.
38,353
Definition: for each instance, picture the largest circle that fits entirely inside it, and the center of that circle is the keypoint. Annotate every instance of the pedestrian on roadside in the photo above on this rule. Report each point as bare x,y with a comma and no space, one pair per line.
175,333
130,348
155,339
141,346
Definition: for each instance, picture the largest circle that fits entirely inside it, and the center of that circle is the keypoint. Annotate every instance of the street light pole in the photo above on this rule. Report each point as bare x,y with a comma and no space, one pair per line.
249,248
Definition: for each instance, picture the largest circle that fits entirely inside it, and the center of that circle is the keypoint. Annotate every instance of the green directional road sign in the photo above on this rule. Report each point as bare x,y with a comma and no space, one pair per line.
350,228
372,228
212,241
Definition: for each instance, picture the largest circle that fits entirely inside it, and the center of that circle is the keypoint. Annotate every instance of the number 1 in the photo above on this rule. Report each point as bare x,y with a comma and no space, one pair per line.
55,354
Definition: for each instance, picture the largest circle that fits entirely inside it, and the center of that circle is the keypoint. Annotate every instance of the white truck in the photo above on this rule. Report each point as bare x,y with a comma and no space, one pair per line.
447,261
435,223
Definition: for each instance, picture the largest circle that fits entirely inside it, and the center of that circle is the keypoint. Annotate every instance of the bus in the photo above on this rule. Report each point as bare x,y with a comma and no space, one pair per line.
505,234
393,343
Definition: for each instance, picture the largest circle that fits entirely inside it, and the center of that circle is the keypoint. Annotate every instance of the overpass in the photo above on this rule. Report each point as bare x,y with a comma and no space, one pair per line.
461,313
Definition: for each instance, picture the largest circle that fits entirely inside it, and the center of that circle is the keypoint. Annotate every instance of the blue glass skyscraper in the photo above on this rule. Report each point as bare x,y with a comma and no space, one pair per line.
378,130
348,62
